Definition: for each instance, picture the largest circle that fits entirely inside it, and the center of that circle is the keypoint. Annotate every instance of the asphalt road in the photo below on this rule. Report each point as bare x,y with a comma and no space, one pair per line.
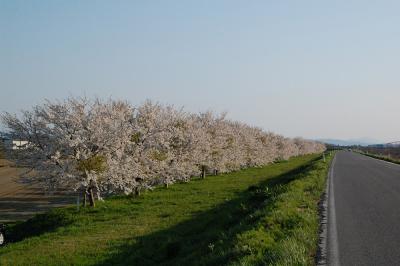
366,199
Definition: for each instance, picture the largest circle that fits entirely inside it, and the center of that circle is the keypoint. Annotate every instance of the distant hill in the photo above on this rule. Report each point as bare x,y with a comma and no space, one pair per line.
351,142
395,144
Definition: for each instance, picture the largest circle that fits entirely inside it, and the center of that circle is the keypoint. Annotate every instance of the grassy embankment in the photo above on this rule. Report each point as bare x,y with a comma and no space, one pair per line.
257,216
381,157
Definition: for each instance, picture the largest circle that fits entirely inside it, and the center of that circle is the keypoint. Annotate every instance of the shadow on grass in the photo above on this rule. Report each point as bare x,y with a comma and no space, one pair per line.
21,212
209,237
38,225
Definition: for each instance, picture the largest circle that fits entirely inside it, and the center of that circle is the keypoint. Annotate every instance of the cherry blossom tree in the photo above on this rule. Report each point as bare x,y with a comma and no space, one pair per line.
109,147
72,143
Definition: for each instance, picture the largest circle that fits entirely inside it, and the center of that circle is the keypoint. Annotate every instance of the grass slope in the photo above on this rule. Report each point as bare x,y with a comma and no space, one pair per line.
381,157
256,216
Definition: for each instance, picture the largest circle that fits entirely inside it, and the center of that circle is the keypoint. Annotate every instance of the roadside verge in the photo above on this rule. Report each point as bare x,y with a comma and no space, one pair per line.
328,250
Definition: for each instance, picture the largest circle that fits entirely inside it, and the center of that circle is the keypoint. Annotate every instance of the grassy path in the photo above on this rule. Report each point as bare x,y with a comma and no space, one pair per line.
226,219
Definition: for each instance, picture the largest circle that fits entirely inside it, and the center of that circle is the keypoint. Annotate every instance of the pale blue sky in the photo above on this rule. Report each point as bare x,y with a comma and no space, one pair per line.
299,68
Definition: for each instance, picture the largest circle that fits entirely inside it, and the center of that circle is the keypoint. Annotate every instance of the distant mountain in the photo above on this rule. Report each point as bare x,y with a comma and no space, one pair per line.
395,144
350,142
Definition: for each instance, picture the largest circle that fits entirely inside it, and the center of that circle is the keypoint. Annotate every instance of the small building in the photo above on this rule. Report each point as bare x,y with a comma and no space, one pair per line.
17,144
9,142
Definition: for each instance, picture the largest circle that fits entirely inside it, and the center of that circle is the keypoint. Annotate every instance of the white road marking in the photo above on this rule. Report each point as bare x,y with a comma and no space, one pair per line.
333,251
385,162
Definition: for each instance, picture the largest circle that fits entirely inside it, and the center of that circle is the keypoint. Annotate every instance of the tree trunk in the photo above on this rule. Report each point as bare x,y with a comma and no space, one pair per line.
203,172
84,198
215,172
91,198
98,195
137,192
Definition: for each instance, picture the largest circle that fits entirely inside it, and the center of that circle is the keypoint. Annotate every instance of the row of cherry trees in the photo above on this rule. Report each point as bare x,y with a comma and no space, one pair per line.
104,147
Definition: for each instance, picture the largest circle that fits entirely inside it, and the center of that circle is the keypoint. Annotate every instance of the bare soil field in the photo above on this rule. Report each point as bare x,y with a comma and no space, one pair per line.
20,201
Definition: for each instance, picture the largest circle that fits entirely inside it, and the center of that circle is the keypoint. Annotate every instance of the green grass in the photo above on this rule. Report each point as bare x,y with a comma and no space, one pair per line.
257,216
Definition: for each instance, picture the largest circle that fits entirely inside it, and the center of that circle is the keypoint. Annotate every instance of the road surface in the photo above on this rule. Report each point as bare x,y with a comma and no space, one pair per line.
20,201
365,193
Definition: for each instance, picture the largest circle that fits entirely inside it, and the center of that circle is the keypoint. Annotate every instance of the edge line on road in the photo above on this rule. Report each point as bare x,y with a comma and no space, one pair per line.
333,244
327,254
380,160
